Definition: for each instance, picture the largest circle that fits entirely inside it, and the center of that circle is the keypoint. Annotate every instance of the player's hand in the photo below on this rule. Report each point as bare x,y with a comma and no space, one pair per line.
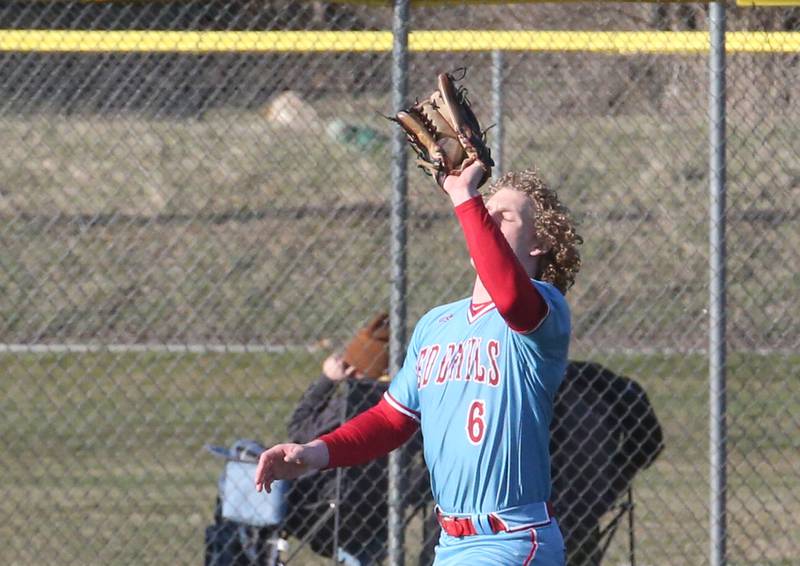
464,186
289,461
335,368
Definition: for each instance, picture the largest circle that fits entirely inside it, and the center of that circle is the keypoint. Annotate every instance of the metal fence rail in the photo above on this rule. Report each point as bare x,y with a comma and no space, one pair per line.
197,209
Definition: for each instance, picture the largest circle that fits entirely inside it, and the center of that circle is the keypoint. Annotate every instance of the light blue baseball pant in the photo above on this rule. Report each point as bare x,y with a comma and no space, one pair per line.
539,546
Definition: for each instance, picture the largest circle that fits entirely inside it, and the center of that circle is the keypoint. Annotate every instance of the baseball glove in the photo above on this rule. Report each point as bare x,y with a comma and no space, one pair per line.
444,132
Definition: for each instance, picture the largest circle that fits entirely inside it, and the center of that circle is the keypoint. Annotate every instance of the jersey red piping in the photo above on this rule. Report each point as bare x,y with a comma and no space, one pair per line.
398,406
477,311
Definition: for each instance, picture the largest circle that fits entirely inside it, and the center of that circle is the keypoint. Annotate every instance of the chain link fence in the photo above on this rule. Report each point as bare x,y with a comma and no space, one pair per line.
187,234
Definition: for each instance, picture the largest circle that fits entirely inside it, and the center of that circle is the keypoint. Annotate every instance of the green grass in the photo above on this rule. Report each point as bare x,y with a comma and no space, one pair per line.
229,228
104,459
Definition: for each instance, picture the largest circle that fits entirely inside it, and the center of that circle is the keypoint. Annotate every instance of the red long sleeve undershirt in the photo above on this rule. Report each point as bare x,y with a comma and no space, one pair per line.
381,429
370,435
509,286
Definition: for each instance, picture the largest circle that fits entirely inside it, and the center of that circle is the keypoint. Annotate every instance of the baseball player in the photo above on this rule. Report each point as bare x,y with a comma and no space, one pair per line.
479,377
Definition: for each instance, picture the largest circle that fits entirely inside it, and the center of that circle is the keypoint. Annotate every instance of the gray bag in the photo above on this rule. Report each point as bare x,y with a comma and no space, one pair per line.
240,502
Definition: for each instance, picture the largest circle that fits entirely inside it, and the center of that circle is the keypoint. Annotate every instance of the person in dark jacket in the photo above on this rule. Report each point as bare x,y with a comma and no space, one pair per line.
351,382
604,431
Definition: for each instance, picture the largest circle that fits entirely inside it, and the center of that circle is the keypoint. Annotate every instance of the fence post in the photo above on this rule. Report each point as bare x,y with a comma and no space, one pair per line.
497,110
717,261
399,214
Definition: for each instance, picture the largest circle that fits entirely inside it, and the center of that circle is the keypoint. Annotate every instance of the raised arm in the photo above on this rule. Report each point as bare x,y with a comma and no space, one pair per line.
498,267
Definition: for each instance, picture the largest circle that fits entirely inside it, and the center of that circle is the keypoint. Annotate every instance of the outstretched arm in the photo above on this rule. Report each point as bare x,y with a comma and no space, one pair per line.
504,277
289,461
370,435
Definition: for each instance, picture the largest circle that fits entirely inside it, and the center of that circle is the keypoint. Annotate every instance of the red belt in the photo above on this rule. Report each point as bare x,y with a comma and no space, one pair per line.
465,526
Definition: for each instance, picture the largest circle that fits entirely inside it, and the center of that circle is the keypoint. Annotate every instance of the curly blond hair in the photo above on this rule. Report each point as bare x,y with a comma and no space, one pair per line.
553,224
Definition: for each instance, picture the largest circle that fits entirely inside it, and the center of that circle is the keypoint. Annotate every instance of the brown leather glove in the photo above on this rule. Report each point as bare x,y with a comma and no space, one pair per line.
444,132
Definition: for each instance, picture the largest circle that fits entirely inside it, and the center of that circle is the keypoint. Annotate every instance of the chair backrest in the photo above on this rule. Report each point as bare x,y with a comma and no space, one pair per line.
604,430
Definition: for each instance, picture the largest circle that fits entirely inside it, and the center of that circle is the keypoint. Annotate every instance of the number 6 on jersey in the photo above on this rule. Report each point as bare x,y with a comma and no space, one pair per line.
476,425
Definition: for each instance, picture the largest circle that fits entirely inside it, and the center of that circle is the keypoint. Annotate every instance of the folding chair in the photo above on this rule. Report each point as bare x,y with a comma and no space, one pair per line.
607,532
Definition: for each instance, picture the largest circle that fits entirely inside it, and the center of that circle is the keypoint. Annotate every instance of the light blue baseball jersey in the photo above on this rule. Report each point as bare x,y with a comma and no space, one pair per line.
483,394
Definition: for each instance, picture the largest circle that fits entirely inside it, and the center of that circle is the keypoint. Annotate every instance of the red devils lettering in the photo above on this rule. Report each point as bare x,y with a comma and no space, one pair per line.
460,362
473,359
432,352
493,349
444,367
457,363
420,367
